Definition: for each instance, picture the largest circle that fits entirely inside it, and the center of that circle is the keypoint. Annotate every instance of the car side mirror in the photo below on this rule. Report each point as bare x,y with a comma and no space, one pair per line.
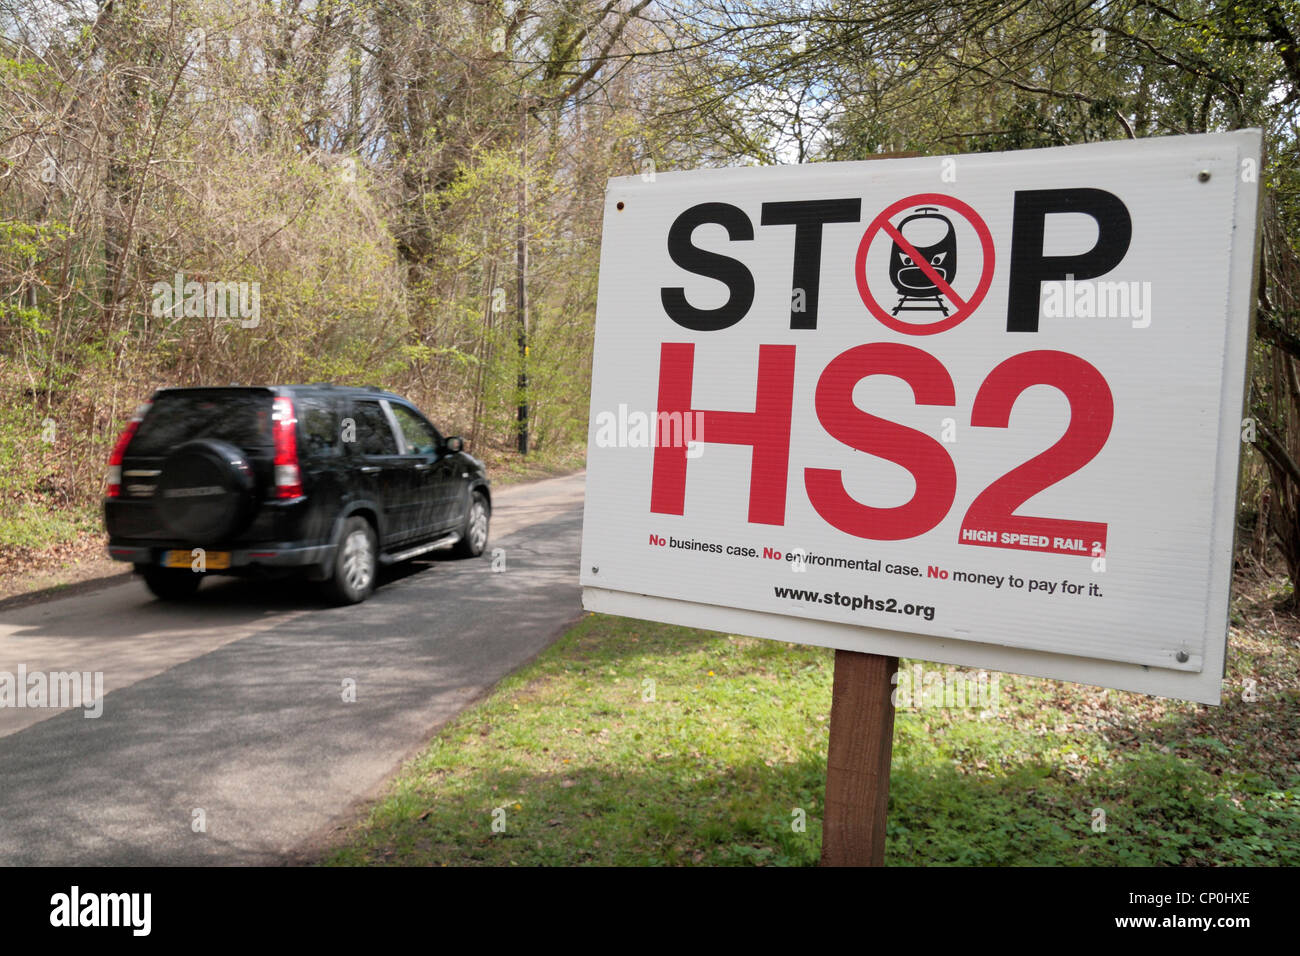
453,444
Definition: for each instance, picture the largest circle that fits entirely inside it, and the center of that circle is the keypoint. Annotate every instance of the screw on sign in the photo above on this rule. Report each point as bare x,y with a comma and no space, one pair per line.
923,262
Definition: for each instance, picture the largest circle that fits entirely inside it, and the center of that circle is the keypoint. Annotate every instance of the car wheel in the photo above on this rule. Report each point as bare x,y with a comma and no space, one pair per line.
474,536
171,584
355,564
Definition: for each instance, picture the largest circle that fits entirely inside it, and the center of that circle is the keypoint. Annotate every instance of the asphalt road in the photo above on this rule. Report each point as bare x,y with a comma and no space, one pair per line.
234,705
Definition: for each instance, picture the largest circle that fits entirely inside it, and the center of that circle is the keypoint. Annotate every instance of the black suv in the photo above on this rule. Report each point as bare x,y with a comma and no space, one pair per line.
325,480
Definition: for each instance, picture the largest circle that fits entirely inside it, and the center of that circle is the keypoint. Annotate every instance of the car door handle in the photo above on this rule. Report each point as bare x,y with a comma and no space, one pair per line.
423,466
368,469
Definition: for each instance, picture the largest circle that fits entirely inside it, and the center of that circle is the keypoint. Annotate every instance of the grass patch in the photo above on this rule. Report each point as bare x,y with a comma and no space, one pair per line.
587,770
582,768
33,524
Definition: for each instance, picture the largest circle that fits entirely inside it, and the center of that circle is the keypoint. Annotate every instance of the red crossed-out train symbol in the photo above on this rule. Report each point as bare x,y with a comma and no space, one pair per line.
922,251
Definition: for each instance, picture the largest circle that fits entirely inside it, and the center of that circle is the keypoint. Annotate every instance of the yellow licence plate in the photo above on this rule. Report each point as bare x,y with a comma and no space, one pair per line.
212,560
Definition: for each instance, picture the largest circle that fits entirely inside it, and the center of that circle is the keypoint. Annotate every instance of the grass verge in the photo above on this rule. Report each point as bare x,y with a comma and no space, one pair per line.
632,743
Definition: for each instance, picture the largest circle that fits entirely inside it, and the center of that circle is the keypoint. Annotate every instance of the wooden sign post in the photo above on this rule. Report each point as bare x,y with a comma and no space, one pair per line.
861,746
857,760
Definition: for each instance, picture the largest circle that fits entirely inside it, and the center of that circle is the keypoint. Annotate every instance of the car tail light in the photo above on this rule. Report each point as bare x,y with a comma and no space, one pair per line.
288,479
114,479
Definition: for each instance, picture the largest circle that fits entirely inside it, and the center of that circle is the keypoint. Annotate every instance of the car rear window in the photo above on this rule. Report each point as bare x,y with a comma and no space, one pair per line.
319,426
374,434
241,418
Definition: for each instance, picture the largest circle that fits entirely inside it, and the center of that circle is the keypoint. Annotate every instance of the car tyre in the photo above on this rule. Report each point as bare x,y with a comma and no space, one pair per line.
355,564
474,534
171,584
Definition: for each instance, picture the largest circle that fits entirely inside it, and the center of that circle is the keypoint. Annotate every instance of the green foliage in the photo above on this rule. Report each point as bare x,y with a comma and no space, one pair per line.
366,177
30,476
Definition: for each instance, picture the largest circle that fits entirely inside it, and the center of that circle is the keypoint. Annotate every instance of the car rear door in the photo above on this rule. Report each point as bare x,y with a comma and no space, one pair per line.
323,462
383,474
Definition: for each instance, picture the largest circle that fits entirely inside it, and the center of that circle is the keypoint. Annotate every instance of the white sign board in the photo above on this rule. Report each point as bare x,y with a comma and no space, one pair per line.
982,409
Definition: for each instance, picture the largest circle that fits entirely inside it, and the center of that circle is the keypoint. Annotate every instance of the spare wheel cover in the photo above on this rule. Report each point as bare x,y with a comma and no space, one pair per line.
205,491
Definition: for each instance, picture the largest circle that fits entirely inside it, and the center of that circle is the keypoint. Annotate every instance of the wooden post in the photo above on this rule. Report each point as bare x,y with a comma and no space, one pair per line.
862,741
857,760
